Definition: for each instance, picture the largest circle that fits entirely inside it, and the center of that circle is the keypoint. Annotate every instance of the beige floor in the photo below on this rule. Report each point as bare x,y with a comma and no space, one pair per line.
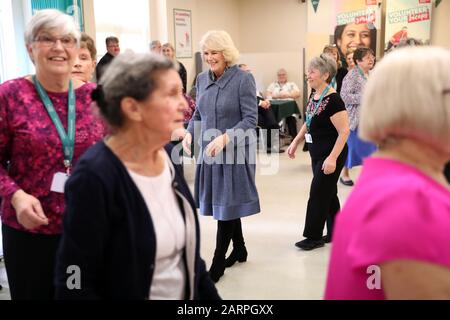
275,269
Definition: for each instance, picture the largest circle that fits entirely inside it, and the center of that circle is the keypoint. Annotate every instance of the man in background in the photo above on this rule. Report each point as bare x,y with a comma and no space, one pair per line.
113,49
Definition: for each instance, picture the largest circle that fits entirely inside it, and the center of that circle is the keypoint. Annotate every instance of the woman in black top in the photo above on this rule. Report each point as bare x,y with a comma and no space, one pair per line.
169,51
326,131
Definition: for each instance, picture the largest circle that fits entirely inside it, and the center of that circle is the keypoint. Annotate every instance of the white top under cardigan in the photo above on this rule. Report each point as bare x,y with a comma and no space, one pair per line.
169,277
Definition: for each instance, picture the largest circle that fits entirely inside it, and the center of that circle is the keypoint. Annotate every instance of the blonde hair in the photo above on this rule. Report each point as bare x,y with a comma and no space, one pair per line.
407,96
329,49
88,43
219,40
168,45
350,51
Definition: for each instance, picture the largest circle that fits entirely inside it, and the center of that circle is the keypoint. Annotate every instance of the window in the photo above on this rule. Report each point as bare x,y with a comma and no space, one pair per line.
8,62
71,7
129,23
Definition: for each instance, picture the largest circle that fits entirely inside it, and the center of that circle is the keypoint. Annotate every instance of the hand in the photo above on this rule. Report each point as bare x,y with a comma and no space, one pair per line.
284,95
265,104
28,210
292,148
217,145
329,165
178,134
187,142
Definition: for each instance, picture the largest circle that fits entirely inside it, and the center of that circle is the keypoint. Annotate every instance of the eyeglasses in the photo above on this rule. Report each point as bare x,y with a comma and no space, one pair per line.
113,46
67,42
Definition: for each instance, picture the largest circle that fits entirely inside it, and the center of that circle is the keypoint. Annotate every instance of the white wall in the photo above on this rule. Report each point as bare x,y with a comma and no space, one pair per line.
440,25
269,33
265,41
206,15
273,35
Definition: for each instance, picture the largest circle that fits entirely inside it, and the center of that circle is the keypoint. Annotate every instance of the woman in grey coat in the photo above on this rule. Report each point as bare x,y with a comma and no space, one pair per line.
223,125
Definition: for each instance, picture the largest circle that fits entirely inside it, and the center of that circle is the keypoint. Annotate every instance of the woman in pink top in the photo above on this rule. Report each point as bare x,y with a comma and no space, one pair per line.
33,162
391,240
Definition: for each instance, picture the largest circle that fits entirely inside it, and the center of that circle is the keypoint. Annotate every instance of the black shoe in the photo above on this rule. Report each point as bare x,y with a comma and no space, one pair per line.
239,255
217,270
348,182
326,239
309,244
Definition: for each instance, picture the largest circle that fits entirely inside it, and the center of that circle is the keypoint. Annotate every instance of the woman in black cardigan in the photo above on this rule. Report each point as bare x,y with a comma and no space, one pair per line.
130,226
169,52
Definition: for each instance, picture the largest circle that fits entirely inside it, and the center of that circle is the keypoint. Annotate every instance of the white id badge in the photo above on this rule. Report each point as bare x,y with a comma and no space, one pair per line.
58,182
308,138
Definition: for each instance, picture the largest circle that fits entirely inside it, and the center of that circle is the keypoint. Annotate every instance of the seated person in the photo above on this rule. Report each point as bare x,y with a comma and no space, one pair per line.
282,89
266,117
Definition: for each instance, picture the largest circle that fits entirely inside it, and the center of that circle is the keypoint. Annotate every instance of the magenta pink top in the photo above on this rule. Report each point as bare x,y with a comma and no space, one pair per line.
31,150
394,212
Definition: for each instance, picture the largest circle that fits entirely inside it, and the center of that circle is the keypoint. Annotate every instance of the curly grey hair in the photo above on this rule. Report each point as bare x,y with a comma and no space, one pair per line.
325,64
129,75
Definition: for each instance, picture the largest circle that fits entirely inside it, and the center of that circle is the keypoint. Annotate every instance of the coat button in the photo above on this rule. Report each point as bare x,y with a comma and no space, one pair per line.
175,184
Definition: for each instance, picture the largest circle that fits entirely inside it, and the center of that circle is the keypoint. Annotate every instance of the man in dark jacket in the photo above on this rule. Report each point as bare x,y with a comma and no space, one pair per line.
113,48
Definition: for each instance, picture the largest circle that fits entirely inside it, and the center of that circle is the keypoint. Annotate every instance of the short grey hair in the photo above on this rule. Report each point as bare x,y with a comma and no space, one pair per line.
48,19
220,40
154,44
130,75
325,64
407,96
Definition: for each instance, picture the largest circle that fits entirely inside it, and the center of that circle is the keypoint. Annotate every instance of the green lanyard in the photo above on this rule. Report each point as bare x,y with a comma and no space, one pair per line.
67,139
333,82
361,73
310,113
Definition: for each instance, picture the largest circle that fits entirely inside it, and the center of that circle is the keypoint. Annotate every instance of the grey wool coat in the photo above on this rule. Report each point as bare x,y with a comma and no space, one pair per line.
225,184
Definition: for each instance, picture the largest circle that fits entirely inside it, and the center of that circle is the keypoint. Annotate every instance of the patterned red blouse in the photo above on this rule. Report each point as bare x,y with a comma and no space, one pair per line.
31,150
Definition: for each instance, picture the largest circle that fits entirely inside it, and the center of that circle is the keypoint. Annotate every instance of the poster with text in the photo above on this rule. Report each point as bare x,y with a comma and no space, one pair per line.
357,24
407,21
183,33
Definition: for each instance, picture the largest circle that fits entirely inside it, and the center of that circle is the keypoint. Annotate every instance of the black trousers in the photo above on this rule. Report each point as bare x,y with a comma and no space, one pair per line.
323,203
267,121
30,263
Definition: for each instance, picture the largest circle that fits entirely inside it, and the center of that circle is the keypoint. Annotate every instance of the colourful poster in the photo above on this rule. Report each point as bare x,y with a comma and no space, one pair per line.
357,24
183,33
407,21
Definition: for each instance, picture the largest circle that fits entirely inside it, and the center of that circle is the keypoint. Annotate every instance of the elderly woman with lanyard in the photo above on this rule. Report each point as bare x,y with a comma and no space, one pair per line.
326,132
352,92
45,125
130,223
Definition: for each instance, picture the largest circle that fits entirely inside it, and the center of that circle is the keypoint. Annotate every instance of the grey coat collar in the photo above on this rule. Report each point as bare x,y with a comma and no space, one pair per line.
224,79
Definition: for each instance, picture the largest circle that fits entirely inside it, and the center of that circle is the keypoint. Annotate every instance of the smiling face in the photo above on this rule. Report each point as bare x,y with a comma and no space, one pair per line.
354,36
315,79
53,53
162,112
113,48
216,61
367,62
84,65
168,52
282,76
